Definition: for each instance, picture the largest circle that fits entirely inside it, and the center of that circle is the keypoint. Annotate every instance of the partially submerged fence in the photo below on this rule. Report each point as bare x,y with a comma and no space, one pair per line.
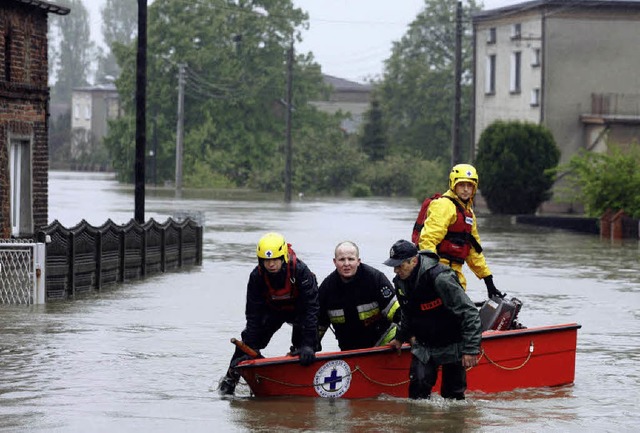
85,258
22,272
618,225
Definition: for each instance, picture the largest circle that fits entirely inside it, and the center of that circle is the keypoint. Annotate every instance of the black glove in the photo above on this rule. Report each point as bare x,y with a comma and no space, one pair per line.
491,288
307,355
238,360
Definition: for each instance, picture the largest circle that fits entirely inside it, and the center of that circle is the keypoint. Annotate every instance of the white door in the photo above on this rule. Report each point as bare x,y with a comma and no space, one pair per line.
20,178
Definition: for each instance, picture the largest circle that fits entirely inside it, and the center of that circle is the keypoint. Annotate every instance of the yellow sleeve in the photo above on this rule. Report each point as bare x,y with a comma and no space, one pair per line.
440,215
476,260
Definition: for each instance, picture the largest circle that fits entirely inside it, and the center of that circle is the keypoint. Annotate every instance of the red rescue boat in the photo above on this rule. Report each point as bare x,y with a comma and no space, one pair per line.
520,358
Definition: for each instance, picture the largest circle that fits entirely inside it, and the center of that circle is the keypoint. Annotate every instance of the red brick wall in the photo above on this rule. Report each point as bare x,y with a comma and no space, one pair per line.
24,102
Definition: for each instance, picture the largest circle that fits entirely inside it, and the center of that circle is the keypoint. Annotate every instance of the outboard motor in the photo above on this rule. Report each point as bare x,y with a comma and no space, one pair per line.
499,314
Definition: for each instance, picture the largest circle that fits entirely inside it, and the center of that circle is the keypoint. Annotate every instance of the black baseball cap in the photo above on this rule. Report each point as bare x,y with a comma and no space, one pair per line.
401,251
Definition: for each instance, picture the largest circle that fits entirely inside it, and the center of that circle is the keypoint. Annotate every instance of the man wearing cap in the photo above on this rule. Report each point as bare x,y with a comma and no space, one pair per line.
438,318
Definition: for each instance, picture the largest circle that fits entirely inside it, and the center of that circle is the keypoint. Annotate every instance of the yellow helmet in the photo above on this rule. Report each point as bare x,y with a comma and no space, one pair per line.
271,246
463,173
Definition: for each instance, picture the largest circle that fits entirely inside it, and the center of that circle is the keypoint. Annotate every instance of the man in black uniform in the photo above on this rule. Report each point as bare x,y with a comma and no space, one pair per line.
281,289
438,318
358,301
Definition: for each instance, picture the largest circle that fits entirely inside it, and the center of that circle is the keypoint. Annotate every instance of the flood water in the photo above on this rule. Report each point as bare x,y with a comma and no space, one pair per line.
147,356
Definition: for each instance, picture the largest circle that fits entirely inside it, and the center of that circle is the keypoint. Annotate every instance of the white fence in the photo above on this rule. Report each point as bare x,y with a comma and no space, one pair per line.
22,272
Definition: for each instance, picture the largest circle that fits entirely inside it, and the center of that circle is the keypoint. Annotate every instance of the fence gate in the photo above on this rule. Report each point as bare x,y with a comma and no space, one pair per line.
22,272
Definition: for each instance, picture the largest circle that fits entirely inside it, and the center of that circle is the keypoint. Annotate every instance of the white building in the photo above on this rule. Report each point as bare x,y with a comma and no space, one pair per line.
91,108
572,66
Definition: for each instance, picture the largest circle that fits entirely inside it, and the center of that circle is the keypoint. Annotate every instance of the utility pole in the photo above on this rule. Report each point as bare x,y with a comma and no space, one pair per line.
288,146
141,115
455,129
154,151
180,129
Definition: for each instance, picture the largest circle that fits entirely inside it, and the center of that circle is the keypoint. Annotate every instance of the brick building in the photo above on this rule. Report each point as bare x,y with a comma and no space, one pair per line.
24,109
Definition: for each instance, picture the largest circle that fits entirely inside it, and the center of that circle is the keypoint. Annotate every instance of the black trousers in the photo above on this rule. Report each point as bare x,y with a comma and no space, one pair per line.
271,324
423,378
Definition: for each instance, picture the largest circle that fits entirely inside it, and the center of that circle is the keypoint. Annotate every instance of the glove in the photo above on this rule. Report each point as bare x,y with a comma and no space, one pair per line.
307,355
491,288
238,360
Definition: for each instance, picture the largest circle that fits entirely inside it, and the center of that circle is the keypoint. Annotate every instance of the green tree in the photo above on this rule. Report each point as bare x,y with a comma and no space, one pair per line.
373,139
607,181
119,26
74,53
235,78
417,90
515,163
60,138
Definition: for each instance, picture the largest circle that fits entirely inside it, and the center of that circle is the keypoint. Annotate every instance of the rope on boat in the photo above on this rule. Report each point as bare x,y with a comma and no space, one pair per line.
404,382
298,385
302,385
483,353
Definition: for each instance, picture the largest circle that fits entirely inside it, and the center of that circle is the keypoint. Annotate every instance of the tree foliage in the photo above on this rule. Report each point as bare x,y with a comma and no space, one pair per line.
515,162
607,181
74,51
374,136
418,90
119,26
234,54
235,79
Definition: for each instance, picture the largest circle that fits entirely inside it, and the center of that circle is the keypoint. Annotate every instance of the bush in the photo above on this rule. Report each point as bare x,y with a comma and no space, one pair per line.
515,165
401,175
607,181
360,190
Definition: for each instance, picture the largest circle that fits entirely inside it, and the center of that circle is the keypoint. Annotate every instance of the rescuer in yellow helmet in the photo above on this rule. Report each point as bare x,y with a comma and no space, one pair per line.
450,228
281,289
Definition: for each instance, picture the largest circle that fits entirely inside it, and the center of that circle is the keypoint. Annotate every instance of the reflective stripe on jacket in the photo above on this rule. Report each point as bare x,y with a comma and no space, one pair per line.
360,310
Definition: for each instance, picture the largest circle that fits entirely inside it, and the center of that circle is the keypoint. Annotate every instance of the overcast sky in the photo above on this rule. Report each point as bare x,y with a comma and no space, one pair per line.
349,38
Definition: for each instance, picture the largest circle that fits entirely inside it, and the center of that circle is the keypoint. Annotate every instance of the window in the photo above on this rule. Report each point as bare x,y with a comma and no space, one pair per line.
516,31
490,77
87,112
76,110
535,97
514,76
20,178
535,57
491,35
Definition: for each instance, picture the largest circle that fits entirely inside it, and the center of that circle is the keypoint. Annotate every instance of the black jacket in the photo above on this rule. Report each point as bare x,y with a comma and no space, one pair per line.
304,313
436,309
360,310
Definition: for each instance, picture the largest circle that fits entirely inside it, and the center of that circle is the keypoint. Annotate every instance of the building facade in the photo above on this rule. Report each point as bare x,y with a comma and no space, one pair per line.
91,109
346,96
570,66
24,110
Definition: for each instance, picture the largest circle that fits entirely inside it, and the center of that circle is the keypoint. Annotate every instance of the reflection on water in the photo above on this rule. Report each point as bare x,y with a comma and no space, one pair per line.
146,356
328,415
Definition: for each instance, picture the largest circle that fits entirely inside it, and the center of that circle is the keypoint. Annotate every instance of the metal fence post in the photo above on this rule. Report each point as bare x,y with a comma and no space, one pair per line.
40,269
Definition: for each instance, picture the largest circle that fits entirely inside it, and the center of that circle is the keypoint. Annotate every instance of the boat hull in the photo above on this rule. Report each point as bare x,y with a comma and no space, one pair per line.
523,358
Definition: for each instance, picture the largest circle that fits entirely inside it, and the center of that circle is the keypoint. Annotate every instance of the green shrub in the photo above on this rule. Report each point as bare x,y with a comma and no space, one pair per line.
359,190
404,175
515,164
607,181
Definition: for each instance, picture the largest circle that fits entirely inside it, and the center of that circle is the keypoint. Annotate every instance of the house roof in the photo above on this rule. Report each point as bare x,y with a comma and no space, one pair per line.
47,6
340,84
108,87
538,4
